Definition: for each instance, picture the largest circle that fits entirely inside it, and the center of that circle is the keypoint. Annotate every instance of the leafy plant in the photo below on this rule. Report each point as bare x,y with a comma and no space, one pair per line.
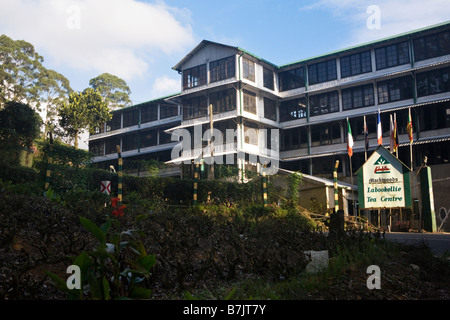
294,181
117,268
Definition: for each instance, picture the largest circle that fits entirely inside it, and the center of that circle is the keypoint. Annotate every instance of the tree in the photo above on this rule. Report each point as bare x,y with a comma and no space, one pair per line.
20,69
19,126
23,78
85,109
55,89
114,90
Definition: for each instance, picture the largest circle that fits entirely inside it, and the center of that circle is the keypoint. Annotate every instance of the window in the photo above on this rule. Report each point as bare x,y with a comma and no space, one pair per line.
322,72
100,129
96,147
222,69
327,133
223,126
130,142
432,46
433,82
293,109
167,110
251,133
148,138
436,153
270,109
324,103
115,122
164,137
268,79
358,97
434,117
356,64
223,101
149,112
295,138
395,89
195,107
194,77
292,79
130,118
357,125
111,145
248,69
325,165
391,56
249,101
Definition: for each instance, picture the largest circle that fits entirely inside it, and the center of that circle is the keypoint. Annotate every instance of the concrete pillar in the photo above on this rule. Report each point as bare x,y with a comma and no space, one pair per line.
428,214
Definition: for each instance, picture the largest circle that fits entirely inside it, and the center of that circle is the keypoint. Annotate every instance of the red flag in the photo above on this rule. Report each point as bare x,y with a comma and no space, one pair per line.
366,135
409,128
391,134
395,133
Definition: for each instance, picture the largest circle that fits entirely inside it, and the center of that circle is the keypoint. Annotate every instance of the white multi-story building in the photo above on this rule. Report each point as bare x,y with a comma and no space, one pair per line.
308,101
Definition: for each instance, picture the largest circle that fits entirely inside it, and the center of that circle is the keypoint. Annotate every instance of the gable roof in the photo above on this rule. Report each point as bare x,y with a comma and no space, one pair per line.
204,43
201,45
386,154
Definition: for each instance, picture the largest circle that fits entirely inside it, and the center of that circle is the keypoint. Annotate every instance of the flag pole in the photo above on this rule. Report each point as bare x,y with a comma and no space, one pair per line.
351,181
365,139
410,136
395,135
350,153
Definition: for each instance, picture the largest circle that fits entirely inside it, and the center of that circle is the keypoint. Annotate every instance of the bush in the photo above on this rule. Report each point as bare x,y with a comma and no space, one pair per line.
35,234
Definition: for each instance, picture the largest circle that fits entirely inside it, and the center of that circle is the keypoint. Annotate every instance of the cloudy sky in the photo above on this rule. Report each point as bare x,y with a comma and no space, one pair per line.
141,40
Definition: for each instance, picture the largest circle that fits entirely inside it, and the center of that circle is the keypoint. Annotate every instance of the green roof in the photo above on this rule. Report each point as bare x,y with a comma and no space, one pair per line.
259,58
150,101
371,43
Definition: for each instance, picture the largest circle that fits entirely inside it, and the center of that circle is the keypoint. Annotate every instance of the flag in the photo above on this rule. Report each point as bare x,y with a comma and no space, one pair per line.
409,128
349,139
395,133
366,135
391,133
379,130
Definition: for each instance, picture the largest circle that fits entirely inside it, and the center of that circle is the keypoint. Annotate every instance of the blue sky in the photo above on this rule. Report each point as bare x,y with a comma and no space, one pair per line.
141,40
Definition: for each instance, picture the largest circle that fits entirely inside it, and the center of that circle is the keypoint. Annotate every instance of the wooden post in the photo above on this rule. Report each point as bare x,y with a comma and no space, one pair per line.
211,177
49,164
264,181
196,165
336,194
119,175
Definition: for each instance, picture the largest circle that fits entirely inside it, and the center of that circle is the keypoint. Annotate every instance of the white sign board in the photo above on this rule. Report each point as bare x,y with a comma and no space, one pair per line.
382,183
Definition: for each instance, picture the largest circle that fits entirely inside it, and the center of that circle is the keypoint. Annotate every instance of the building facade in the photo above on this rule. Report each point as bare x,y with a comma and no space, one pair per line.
307,104
140,131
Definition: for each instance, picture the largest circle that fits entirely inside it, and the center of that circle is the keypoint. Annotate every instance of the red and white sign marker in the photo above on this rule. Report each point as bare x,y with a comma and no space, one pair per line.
105,187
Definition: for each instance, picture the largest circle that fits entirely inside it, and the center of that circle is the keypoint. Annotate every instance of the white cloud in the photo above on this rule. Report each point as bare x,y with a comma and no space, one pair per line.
396,17
115,36
165,85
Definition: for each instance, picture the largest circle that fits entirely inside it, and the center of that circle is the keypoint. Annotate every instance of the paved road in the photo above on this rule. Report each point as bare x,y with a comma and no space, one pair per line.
439,243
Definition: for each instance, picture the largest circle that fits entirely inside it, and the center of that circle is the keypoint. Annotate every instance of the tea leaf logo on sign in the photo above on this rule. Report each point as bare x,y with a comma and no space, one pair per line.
381,166
383,182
